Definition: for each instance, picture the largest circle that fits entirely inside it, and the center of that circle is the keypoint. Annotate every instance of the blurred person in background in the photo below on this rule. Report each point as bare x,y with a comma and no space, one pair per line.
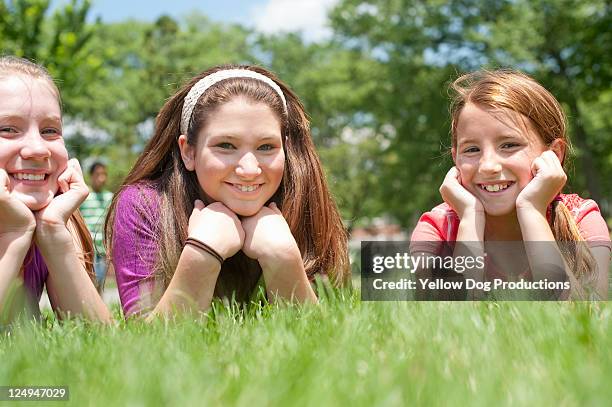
94,211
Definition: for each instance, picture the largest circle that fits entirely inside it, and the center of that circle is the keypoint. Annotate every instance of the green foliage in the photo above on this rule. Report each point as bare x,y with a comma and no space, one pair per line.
565,44
59,41
376,91
21,23
145,63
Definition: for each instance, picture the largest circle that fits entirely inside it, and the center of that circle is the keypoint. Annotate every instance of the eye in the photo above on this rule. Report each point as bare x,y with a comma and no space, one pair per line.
471,150
51,131
226,146
266,147
7,129
510,144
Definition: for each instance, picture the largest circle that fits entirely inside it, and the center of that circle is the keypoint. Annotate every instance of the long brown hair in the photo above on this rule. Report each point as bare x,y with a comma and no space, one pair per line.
10,65
510,89
303,196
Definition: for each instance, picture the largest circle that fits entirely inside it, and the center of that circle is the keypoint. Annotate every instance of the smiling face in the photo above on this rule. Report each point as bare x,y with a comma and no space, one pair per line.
238,157
494,156
32,149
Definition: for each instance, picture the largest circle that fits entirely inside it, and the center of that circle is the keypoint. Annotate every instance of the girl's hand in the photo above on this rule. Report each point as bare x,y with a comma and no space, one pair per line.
459,198
267,236
549,178
15,216
217,226
73,193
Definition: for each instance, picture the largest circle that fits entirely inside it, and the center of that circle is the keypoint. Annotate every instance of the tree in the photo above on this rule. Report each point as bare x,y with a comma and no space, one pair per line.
568,44
565,44
340,89
145,63
59,41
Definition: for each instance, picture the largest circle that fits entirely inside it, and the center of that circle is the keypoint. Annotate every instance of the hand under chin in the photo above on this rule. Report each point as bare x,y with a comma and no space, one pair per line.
35,202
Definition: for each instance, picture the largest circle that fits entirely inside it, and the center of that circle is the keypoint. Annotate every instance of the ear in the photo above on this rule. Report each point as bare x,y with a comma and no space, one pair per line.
187,152
558,147
454,154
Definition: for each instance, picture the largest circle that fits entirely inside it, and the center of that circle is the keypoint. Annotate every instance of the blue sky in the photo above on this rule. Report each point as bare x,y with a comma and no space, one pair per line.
224,10
270,16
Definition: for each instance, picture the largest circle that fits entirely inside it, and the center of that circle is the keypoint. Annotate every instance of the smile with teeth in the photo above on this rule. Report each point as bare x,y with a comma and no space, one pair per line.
495,187
246,188
29,177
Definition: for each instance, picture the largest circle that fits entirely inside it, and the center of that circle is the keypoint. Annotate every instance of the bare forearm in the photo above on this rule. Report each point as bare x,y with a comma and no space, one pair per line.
193,285
470,243
543,254
286,278
471,227
602,259
69,286
13,250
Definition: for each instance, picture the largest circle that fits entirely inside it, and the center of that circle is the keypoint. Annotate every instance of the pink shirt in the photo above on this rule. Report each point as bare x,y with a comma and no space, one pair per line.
135,252
442,223
35,273
135,237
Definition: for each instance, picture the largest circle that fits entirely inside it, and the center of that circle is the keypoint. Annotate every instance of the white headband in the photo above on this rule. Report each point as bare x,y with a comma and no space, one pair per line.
206,82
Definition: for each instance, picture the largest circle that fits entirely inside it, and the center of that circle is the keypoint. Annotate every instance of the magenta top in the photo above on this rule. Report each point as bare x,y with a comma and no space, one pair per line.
35,273
135,252
134,246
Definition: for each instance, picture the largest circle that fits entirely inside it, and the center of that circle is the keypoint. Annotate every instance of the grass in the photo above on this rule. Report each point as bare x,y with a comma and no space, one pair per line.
339,352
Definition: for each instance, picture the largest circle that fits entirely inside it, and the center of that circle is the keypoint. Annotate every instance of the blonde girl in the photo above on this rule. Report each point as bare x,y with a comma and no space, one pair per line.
43,239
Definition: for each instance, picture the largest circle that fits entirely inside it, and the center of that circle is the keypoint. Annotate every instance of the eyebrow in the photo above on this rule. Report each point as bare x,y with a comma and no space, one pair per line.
9,117
474,140
466,141
52,119
261,137
17,117
56,118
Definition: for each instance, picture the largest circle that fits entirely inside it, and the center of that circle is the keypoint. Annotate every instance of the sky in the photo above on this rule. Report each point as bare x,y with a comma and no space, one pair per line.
269,16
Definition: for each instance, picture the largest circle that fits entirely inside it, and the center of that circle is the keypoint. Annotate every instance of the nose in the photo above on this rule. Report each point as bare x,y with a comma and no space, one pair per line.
248,166
35,146
489,163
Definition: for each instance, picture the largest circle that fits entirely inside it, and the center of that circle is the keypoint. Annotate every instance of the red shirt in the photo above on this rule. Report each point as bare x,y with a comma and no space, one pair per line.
442,223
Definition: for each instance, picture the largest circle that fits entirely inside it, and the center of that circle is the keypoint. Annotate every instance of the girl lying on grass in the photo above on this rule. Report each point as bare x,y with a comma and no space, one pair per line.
509,145
43,238
228,190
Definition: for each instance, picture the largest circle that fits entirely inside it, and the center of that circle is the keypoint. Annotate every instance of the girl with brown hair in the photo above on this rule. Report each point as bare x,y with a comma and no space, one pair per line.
228,190
509,146
43,238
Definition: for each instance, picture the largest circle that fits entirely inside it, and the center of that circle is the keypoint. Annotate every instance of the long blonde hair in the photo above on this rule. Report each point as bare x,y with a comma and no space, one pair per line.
303,196
10,65
513,90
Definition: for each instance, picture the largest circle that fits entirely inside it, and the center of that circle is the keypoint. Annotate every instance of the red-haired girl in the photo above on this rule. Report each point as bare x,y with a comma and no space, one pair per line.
509,145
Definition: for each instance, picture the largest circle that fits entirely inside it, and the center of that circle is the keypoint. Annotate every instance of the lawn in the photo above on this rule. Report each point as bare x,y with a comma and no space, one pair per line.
341,352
